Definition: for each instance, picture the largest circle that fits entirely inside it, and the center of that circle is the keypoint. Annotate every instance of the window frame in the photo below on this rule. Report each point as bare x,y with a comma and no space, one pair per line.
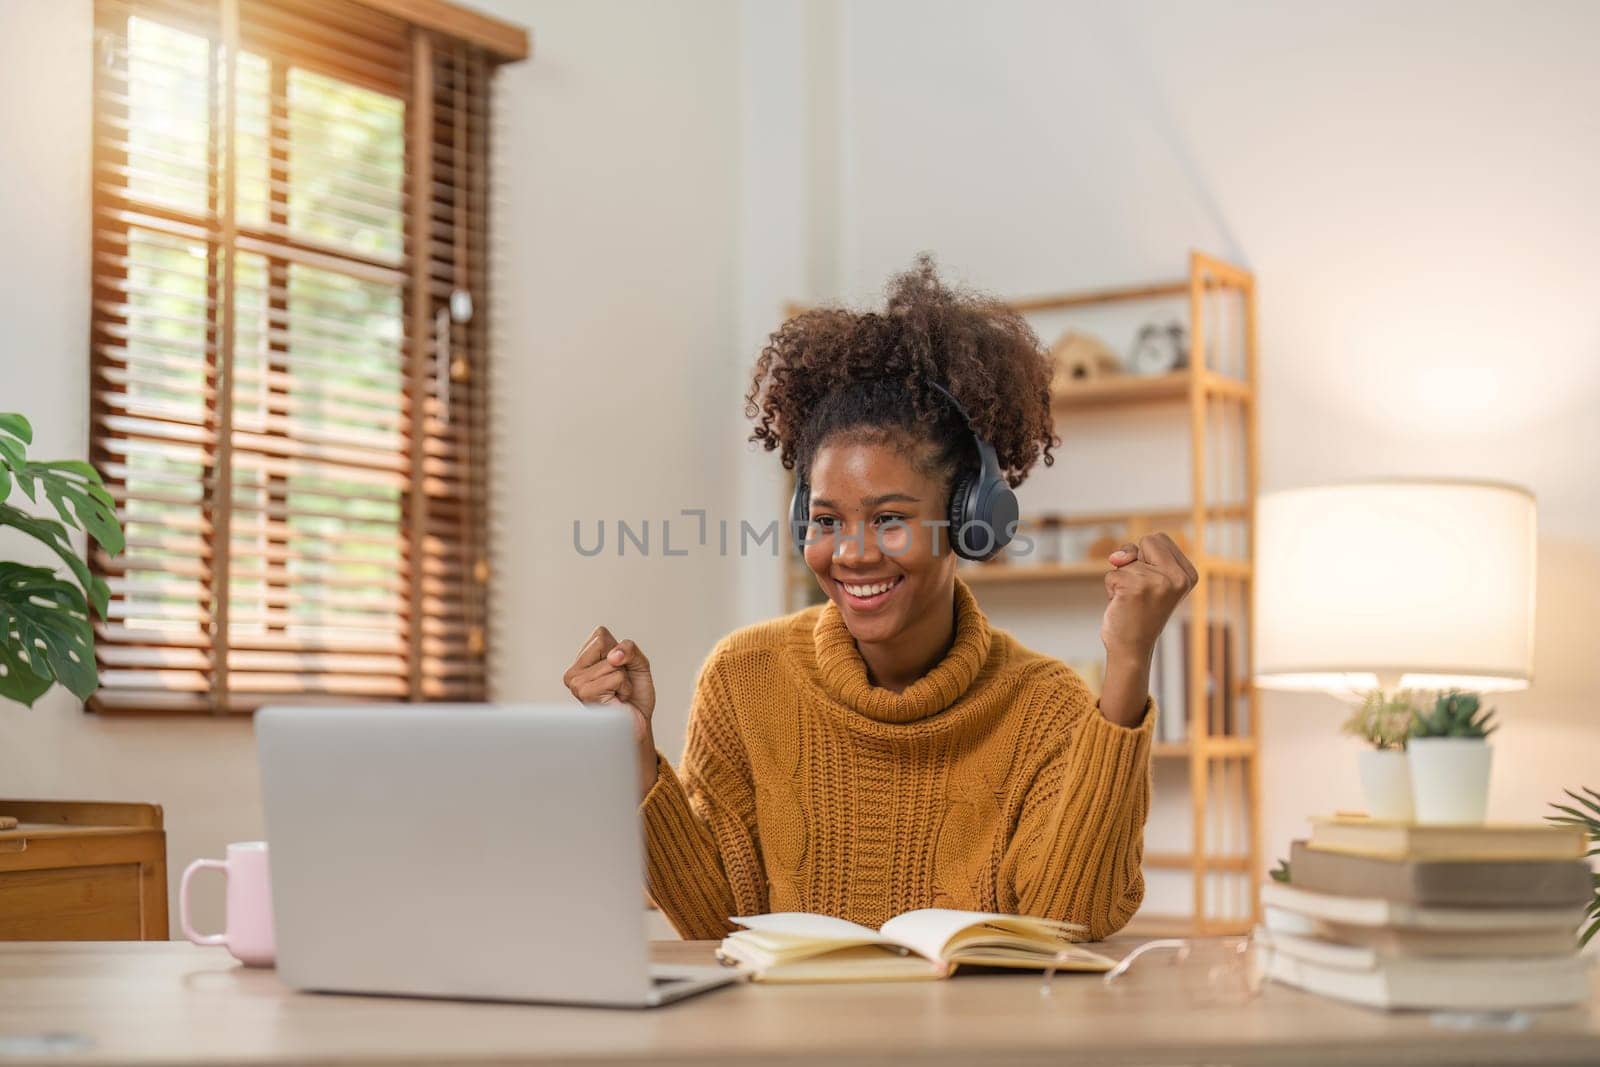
452,55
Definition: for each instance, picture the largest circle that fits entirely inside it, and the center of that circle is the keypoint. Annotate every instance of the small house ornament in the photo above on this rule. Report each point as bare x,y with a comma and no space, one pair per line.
1080,357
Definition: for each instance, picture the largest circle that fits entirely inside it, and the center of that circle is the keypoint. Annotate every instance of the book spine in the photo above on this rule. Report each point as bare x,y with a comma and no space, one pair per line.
1174,721
1528,885
1345,875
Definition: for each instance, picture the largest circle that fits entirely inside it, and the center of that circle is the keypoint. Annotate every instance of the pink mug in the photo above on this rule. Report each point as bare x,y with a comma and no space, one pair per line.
249,904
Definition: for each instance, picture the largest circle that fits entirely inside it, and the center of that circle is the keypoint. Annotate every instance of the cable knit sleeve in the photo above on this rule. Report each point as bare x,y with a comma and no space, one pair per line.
1079,842
703,863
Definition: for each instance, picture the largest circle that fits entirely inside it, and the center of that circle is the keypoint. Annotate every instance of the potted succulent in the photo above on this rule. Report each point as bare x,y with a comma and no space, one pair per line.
1449,756
45,633
1385,724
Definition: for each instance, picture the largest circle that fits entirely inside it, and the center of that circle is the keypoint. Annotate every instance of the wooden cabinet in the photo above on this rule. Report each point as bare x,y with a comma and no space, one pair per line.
82,871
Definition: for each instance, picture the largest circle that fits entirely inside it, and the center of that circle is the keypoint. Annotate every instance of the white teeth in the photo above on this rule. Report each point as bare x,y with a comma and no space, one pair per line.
869,590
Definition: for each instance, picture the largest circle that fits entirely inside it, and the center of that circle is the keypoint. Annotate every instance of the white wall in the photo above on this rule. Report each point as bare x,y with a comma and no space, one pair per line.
1413,184
618,175
616,305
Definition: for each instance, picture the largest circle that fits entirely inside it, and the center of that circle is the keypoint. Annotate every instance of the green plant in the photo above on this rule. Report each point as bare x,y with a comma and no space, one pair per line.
1454,714
45,635
1383,722
1280,873
1586,817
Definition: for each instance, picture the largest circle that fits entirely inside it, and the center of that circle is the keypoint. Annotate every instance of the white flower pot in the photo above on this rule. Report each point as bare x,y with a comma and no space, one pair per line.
1386,783
1449,778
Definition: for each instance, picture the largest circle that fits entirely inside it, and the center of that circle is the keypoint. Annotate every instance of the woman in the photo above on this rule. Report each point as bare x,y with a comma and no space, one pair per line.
890,750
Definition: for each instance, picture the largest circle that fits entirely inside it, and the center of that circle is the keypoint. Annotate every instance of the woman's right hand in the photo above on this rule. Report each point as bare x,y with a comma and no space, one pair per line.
608,671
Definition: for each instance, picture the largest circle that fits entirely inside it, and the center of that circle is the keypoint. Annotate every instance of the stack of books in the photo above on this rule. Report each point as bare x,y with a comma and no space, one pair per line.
1461,918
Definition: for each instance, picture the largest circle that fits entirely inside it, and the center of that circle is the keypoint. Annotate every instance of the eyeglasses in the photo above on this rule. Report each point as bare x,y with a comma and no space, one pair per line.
1232,970
1224,970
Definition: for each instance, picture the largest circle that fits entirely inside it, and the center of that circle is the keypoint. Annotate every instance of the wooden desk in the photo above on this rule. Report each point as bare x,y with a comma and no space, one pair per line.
175,1003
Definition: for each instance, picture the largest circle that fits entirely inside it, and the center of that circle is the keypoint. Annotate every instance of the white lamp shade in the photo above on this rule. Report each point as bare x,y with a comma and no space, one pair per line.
1425,585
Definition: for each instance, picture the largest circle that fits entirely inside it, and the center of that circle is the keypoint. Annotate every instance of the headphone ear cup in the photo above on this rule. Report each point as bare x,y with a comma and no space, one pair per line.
993,511
959,494
990,522
1001,512
800,515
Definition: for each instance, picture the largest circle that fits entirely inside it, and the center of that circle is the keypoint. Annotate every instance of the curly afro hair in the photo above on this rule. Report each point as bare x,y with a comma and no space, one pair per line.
832,372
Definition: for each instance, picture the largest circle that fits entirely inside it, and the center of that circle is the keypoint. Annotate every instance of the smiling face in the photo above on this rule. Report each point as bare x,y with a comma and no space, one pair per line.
872,544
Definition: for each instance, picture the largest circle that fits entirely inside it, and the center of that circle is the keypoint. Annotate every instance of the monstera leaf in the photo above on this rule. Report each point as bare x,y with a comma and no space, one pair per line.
15,437
54,536
45,635
15,426
71,482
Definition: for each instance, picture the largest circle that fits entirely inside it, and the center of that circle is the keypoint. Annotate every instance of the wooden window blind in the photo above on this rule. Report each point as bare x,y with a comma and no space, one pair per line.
288,354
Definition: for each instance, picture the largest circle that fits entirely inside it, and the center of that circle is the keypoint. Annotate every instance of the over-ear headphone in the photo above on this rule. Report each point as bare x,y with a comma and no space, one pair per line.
983,509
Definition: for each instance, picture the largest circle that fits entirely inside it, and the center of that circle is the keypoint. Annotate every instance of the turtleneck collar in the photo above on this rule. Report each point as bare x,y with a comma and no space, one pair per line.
843,674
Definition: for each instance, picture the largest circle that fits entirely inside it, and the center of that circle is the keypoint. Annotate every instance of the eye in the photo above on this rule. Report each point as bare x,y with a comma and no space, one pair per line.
826,522
881,519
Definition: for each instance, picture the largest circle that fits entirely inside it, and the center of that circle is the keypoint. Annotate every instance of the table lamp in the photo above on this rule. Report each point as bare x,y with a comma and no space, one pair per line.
1397,585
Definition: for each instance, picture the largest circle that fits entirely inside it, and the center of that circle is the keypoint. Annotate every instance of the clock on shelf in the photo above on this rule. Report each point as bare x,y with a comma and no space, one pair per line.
1160,349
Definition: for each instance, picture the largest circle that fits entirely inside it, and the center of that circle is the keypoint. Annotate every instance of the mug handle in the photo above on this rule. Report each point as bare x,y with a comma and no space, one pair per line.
183,902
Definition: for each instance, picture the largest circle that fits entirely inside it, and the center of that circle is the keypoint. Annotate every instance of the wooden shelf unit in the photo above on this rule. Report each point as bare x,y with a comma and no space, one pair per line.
1148,924
1125,389
1079,570
1217,392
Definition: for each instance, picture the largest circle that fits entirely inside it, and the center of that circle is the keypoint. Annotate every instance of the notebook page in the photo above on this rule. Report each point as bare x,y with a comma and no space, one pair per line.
927,930
799,924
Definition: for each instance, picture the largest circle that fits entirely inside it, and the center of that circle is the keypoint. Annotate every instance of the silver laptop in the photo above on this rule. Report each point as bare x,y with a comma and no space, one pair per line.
461,851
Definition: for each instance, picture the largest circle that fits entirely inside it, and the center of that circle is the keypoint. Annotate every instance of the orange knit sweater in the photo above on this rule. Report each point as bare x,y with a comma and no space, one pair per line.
993,783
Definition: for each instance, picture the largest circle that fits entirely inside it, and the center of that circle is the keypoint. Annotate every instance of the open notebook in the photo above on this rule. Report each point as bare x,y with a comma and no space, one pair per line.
928,943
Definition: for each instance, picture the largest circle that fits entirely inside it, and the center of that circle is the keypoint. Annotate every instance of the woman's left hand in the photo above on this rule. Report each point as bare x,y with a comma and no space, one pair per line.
1147,582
